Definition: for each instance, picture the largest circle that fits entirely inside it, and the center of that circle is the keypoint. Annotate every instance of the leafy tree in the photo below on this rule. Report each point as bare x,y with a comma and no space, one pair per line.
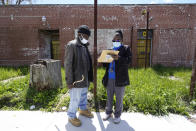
14,2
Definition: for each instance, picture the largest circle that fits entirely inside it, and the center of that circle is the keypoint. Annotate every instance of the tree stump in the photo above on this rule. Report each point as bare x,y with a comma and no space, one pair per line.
45,73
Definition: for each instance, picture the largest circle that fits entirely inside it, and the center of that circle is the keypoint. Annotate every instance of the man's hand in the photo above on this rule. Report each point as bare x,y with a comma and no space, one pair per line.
70,86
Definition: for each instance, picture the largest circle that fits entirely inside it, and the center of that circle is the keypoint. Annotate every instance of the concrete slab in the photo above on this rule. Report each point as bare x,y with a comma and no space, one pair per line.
11,79
58,121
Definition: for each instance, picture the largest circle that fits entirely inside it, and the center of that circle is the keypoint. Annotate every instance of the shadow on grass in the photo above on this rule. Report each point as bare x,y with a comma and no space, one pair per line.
45,99
42,99
168,71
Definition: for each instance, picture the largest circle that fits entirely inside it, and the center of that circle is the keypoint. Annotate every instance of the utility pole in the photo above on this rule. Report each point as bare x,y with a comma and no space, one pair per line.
95,56
193,76
146,50
131,43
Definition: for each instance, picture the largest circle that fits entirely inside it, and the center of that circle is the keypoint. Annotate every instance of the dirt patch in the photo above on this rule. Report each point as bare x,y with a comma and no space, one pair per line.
174,78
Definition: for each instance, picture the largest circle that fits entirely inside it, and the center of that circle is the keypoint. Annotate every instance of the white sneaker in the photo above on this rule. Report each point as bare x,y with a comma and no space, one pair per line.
107,116
117,120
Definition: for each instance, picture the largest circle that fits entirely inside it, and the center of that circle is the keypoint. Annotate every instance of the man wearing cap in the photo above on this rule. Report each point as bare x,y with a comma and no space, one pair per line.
79,74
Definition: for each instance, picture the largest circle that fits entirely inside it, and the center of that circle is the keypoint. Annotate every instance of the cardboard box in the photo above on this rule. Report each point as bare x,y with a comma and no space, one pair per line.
106,56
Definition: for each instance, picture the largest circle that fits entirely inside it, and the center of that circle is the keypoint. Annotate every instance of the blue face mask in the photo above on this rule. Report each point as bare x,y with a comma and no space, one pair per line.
116,44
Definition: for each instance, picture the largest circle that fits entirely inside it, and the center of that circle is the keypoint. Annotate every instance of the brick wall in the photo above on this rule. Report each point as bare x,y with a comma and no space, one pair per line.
174,29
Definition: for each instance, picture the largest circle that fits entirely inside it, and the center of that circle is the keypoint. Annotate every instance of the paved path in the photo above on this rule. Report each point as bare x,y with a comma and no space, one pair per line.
57,121
11,79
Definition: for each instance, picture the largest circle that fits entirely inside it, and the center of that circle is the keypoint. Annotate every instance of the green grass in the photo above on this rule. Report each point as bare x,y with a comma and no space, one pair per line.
151,92
8,72
17,95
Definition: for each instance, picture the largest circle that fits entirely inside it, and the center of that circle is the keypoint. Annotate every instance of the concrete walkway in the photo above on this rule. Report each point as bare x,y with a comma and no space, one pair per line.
11,79
57,121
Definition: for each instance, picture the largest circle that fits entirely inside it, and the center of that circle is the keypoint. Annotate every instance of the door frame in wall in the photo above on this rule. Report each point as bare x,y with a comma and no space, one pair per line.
141,45
46,40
